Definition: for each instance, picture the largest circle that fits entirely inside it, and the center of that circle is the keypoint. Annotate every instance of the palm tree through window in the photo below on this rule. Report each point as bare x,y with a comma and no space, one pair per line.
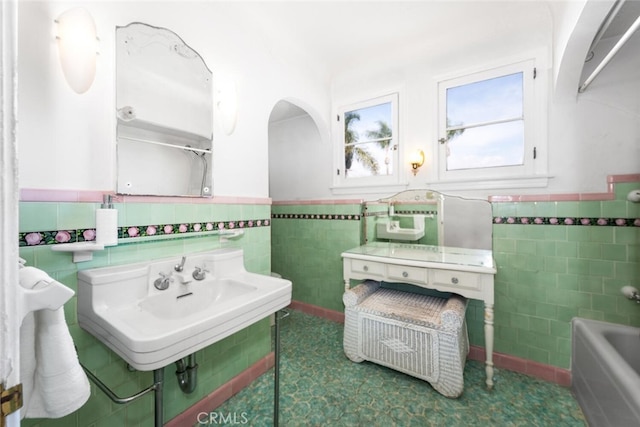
369,141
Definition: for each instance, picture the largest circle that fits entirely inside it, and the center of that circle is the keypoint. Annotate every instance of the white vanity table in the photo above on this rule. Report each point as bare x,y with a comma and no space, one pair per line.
467,272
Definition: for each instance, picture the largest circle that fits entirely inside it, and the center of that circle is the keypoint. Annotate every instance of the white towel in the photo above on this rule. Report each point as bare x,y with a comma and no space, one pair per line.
54,384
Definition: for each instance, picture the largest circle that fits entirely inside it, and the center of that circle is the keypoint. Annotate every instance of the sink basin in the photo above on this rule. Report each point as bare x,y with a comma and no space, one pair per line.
151,328
182,301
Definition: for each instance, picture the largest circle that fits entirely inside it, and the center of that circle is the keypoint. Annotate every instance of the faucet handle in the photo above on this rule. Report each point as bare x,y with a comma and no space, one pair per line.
162,282
200,273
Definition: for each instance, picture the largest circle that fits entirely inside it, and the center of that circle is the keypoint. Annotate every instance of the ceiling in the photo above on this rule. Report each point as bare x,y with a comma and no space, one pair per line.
338,34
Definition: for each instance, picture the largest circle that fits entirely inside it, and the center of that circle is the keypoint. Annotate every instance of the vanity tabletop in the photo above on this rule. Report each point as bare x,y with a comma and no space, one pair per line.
479,260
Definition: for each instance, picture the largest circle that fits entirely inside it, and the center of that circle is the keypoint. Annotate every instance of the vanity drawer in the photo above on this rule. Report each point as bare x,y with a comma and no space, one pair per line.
402,273
369,268
457,279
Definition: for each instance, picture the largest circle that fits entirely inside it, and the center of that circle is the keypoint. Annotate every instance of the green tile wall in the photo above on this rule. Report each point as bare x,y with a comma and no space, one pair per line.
218,363
547,274
306,250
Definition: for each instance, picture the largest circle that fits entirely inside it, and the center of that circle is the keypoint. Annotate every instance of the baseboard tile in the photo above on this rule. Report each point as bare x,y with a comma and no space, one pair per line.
223,393
528,367
314,310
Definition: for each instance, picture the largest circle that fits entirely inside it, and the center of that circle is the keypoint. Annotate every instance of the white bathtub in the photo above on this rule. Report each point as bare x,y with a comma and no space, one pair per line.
605,372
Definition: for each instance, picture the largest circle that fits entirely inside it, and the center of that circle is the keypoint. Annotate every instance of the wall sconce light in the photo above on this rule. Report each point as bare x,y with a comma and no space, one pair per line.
416,160
77,47
228,104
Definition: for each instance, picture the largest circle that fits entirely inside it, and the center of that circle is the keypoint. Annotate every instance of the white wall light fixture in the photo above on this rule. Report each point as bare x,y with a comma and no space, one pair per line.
227,104
416,160
77,47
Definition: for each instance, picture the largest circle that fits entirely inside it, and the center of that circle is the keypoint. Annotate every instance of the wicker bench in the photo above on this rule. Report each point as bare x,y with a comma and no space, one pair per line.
420,335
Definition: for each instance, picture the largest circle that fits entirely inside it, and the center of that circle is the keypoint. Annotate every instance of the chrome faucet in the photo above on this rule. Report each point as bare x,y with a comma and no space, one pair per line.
162,282
180,267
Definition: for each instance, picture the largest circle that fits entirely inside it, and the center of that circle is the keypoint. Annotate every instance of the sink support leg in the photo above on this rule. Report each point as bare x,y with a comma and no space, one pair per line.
279,315
158,381
156,387
276,372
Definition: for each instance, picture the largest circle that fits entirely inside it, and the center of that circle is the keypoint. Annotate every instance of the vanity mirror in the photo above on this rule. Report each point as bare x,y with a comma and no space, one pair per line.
430,218
164,111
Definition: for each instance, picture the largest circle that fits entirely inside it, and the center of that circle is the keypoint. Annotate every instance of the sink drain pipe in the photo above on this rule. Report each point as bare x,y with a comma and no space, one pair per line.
187,373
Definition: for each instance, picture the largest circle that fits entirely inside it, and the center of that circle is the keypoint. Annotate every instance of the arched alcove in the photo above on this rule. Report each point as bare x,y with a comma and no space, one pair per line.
299,153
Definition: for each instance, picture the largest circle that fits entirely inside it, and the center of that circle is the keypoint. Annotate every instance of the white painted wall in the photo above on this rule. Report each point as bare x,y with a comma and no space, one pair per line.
589,136
67,141
494,32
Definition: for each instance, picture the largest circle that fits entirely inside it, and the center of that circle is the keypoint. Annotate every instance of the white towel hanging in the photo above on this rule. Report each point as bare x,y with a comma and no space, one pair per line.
38,291
54,383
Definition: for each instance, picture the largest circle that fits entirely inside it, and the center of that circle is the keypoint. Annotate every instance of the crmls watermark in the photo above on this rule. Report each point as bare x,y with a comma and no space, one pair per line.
221,418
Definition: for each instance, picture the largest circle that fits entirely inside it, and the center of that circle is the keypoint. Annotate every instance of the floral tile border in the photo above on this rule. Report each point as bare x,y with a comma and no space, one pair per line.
36,238
340,217
523,220
537,220
402,212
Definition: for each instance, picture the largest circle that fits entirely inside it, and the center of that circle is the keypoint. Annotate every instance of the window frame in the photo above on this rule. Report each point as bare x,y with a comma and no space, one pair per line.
376,181
532,173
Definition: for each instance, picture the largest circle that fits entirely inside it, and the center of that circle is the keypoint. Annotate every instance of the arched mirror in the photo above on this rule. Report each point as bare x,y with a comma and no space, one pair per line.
164,110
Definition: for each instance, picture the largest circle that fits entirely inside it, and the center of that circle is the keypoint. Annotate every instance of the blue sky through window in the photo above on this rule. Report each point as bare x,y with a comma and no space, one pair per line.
492,144
369,117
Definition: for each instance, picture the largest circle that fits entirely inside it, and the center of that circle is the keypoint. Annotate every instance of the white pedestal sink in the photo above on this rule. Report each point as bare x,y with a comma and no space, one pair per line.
151,328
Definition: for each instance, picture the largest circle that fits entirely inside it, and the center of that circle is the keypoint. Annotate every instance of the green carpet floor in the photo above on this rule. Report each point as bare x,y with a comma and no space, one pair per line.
319,386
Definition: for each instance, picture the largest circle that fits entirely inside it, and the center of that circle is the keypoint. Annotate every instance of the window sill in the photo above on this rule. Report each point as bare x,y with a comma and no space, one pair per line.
536,181
368,189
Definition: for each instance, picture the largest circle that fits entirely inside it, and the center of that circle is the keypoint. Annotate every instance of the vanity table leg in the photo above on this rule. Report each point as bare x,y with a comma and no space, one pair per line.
488,342
346,285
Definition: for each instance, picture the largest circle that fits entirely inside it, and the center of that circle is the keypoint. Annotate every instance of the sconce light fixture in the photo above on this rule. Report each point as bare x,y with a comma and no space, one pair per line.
77,47
227,104
416,160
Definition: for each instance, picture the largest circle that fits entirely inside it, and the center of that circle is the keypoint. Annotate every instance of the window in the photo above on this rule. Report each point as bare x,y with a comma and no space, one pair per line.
487,125
368,149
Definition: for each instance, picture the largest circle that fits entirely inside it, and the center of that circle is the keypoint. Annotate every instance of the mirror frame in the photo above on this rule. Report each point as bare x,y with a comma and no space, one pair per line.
153,125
